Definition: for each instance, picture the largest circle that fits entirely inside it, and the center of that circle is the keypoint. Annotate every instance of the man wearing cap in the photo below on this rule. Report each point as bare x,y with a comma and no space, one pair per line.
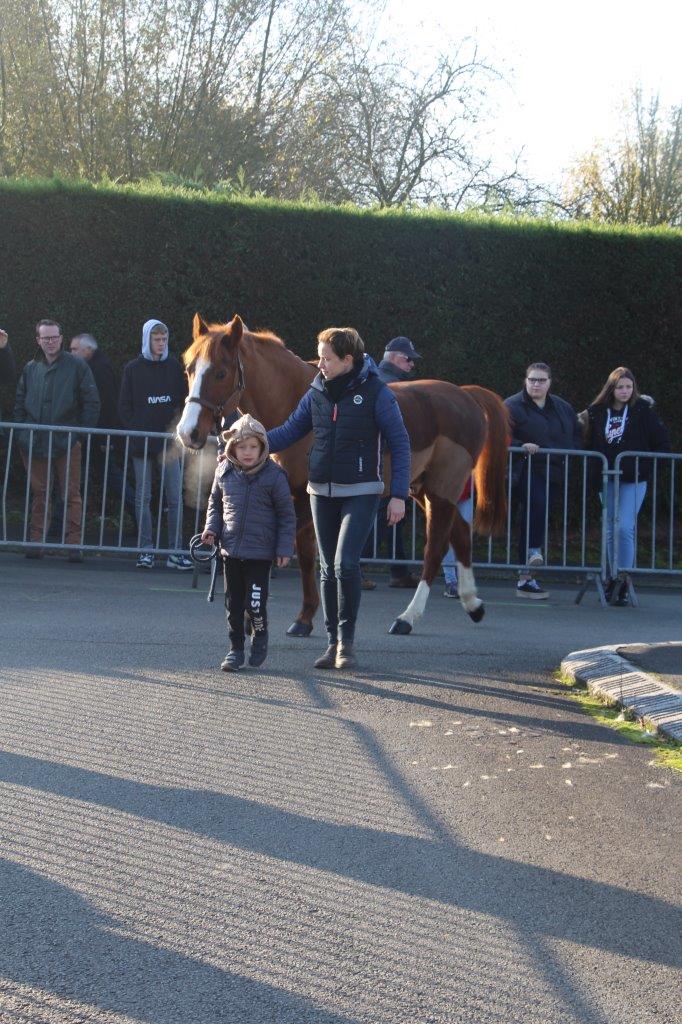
396,365
398,361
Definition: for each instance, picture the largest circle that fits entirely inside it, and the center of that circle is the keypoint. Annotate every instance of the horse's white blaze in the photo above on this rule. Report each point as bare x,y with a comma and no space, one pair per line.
190,416
466,584
415,608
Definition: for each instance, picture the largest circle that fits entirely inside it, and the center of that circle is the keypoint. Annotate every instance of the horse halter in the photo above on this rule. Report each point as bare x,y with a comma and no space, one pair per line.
217,410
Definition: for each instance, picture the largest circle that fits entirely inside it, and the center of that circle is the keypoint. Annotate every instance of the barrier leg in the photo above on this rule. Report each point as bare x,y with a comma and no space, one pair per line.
596,579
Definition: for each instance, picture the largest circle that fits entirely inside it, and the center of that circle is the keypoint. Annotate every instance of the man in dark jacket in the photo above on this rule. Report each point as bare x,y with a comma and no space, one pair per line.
396,365
85,346
538,420
8,370
54,388
153,392
8,375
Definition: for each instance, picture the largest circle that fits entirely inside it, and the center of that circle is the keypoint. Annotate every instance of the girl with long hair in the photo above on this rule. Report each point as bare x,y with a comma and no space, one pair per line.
621,420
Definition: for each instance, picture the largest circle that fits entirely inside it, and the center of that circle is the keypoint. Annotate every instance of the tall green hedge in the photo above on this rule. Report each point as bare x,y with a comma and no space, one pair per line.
480,297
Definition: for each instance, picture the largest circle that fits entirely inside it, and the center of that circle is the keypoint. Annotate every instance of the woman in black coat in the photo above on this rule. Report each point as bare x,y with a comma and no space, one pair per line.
620,420
538,421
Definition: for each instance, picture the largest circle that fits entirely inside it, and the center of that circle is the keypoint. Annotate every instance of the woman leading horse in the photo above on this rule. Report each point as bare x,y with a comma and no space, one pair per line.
350,412
451,430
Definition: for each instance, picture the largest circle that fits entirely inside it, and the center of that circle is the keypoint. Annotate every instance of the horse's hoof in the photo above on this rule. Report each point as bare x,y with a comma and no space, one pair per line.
299,628
477,613
400,628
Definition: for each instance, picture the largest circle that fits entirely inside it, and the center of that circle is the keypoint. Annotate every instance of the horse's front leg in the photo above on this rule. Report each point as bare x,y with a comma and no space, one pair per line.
439,513
306,551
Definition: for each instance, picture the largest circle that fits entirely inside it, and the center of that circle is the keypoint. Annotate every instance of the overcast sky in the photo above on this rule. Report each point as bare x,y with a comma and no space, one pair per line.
568,66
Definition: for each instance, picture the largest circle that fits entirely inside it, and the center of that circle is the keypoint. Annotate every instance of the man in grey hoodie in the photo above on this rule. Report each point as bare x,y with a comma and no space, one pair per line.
153,391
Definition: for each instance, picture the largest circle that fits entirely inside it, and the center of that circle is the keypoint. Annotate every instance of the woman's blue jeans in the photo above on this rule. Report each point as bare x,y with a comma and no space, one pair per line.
342,526
630,498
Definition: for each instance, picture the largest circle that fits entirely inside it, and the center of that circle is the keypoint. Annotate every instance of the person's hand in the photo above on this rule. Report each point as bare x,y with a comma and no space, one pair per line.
3,338
207,537
395,511
531,448
282,561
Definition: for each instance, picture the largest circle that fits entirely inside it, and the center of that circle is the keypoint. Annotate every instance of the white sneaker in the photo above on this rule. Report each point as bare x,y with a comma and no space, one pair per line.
145,561
181,562
535,557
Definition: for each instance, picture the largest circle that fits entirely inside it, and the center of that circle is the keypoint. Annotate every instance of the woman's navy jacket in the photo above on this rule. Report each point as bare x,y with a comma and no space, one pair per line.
346,456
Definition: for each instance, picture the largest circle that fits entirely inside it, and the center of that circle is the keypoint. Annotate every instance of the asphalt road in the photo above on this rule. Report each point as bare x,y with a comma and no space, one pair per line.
444,837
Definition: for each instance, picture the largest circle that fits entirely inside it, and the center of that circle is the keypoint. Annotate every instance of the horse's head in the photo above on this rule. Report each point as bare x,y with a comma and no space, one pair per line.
216,379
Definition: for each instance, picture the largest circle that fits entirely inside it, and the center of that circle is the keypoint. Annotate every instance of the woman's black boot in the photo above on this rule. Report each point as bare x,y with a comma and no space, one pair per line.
328,659
345,656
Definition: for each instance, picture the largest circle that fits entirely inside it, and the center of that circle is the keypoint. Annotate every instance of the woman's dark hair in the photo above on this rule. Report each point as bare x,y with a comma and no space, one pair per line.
344,341
539,366
605,396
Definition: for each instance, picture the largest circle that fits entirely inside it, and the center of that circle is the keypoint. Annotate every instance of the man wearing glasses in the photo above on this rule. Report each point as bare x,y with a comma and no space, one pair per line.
54,388
538,420
396,365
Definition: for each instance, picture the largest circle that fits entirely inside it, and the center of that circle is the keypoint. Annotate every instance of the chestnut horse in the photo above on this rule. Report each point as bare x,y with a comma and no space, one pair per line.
452,431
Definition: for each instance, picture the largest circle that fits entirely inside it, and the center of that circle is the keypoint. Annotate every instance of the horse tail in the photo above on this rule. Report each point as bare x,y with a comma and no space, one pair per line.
490,472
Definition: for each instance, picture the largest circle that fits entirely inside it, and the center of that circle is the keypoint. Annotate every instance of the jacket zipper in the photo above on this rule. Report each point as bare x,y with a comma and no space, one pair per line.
243,522
335,413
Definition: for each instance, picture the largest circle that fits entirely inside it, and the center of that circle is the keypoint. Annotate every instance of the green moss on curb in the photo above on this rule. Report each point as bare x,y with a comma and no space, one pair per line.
668,753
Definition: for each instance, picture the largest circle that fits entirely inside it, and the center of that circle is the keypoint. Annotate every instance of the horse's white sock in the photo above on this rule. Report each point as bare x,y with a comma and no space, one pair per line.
415,608
468,594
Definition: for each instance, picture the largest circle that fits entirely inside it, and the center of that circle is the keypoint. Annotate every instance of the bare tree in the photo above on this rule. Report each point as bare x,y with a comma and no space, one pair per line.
282,97
638,178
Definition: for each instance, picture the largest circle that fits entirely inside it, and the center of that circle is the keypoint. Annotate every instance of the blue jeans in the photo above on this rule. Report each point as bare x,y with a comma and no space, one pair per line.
171,497
466,510
630,500
342,526
385,537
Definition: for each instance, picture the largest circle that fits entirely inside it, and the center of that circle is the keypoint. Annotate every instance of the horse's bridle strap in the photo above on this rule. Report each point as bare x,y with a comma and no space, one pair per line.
217,410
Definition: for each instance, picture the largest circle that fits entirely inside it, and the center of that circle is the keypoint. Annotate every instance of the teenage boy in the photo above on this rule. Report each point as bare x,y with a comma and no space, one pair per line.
153,391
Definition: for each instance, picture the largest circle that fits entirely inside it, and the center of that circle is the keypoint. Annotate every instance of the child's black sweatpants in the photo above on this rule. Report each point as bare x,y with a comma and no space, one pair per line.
246,590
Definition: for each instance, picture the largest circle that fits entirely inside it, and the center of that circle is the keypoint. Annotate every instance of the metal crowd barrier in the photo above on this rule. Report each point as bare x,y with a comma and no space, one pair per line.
658,528
575,525
573,532
104,464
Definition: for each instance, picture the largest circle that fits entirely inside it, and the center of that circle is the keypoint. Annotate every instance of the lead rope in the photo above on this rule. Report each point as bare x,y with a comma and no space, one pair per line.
201,554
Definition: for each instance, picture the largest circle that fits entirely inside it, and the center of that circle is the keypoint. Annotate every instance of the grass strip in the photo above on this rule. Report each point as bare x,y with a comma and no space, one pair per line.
668,753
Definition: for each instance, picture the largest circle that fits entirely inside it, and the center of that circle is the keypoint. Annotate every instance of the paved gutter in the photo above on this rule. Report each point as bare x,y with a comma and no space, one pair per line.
606,672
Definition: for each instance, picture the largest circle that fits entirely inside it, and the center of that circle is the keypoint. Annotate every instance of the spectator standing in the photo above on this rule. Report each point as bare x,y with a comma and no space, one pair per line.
538,420
350,412
251,513
55,388
153,391
397,365
86,347
465,506
8,370
621,420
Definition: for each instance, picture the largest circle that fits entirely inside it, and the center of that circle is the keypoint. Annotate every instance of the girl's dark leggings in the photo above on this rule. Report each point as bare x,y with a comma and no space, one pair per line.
342,526
246,591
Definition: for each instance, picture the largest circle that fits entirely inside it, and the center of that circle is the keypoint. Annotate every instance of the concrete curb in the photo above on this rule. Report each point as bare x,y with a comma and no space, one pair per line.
607,673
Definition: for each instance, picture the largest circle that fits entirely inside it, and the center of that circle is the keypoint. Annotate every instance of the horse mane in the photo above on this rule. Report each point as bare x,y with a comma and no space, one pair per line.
207,346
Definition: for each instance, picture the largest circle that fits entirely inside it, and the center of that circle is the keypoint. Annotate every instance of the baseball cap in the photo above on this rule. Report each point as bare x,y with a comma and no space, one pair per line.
404,345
